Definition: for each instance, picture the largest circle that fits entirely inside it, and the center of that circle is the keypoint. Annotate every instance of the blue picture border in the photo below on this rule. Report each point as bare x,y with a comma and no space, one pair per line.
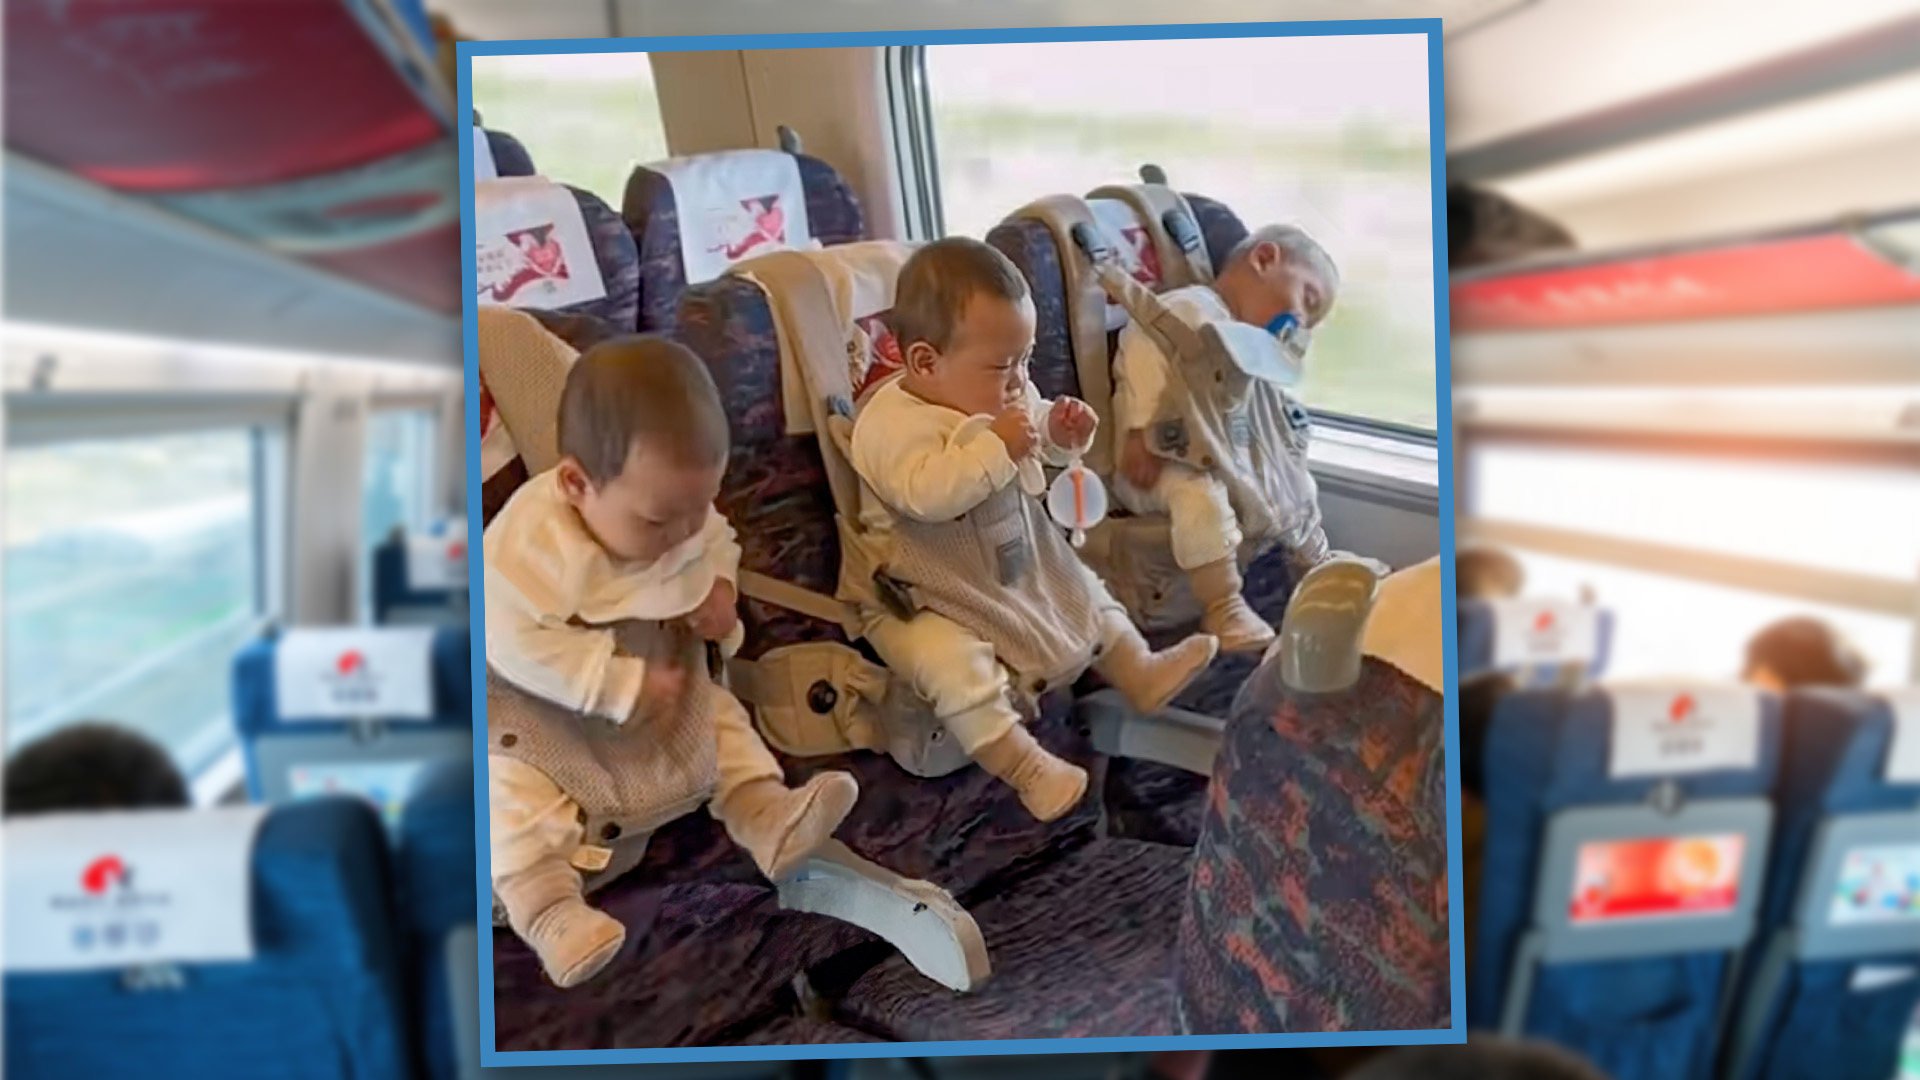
1456,1032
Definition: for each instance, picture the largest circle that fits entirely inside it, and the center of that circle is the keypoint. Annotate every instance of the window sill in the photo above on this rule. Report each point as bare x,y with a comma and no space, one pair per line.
223,781
1376,463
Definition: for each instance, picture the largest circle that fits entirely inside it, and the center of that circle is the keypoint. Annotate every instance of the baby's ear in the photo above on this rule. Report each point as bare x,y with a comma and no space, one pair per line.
921,358
574,480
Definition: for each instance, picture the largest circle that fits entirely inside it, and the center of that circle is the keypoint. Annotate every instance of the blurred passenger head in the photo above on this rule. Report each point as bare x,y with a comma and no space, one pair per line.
1278,270
1480,1059
965,321
1802,651
1485,227
643,443
1484,573
92,766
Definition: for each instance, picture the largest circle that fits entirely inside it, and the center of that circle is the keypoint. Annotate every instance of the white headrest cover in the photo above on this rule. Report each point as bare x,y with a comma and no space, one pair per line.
114,890
354,673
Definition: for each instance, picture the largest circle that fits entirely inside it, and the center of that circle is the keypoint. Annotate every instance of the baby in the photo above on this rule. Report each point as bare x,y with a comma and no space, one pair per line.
979,586
1275,272
605,578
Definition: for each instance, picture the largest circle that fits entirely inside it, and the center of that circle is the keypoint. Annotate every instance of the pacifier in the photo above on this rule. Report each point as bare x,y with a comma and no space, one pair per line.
1077,500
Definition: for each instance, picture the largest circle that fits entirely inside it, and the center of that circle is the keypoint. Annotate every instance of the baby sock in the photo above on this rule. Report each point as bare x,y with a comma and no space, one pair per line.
1048,786
1151,679
545,907
1217,585
780,826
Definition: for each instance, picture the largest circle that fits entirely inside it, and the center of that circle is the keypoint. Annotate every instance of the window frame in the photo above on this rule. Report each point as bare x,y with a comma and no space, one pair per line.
39,420
917,165
1863,593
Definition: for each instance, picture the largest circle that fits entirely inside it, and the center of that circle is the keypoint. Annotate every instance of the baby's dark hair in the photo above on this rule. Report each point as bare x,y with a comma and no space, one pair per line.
630,389
1805,651
940,279
1480,1059
1487,573
92,766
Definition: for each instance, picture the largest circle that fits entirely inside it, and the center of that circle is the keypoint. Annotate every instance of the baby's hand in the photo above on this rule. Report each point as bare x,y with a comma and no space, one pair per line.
1137,463
662,686
713,620
1070,424
1015,428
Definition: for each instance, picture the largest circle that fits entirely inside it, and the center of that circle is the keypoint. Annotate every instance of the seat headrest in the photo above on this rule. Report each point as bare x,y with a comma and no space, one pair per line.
532,245
693,217
510,158
1674,729
353,673
115,890
1531,633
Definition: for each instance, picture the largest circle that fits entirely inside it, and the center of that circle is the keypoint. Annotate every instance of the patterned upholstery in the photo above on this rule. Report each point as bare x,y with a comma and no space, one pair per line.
322,1000
619,259
833,213
1082,947
703,963
1319,895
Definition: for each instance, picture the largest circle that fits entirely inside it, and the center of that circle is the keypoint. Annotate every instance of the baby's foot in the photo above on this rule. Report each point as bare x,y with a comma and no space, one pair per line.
1048,786
1151,679
780,826
573,941
1236,625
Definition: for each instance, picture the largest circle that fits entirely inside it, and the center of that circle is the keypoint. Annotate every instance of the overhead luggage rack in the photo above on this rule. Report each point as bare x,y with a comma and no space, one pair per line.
1860,262
233,117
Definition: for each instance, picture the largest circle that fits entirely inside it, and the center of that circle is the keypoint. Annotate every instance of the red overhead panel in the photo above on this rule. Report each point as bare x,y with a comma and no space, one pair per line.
289,124
1798,272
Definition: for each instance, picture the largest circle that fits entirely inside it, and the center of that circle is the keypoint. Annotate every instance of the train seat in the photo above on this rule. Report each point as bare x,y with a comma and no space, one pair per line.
672,241
320,997
420,578
1836,976
1605,806
355,710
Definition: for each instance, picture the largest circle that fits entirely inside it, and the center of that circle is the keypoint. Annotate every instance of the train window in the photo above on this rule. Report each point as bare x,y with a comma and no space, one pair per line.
1673,626
134,572
1327,133
586,119
1800,513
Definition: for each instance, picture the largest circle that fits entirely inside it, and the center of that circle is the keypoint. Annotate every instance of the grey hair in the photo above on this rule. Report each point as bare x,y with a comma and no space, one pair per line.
1298,247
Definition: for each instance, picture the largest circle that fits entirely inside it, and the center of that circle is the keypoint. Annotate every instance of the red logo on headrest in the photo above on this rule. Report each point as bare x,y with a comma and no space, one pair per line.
1543,622
102,874
457,549
1683,707
350,662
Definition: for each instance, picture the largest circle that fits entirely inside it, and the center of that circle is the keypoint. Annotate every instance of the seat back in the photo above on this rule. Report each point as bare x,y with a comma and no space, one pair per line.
420,579
1350,931
436,872
298,748
1627,831
1833,988
532,238
958,830
321,999
1537,641
716,221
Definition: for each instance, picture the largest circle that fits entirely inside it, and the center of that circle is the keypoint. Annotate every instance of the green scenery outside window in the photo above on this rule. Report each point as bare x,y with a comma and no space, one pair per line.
585,119
1327,133
132,579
